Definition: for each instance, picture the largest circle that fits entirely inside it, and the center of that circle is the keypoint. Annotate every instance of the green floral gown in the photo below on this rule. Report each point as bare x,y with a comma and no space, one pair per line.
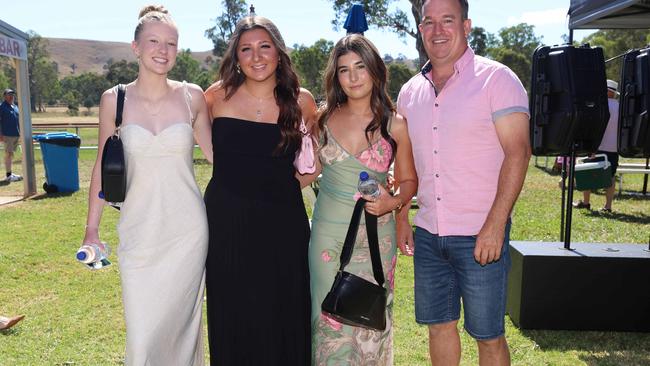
334,343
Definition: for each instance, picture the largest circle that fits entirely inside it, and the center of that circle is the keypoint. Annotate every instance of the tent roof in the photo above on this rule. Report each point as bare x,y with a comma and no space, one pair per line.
603,14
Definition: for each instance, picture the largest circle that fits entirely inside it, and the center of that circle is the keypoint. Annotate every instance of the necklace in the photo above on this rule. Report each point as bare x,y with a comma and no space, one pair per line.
152,108
260,103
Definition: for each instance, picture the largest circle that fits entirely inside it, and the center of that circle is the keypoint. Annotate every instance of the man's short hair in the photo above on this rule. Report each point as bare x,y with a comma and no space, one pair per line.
464,8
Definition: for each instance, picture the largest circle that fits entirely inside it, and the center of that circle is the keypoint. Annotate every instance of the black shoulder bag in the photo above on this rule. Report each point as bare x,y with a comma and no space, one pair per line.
353,300
113,165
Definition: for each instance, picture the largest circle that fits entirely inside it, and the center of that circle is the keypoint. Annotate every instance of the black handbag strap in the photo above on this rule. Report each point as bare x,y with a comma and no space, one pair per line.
121,92
373,241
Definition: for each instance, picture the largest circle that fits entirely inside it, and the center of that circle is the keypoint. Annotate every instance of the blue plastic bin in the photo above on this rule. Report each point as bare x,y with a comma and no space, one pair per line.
61,159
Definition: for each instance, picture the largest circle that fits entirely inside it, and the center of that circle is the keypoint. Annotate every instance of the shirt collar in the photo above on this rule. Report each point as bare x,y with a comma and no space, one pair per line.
459,65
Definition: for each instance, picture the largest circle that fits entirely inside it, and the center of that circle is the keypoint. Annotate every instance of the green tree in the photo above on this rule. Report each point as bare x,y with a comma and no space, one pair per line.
88,86
481,41
515,48
220,33
617,42
383,15
44,83
520,38
4,80
310,63
121,72
186,67
398,75
43,73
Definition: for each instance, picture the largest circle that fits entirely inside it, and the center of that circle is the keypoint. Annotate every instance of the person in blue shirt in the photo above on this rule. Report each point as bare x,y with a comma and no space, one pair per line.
9,132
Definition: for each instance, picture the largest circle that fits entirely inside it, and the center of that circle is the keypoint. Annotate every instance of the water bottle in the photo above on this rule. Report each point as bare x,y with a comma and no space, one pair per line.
93,256
368,185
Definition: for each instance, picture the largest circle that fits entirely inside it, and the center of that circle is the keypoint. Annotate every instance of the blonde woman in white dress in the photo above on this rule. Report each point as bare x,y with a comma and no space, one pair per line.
163,231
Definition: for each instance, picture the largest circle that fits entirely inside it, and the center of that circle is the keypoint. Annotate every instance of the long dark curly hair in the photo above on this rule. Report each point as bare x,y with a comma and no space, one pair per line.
287,89
380,103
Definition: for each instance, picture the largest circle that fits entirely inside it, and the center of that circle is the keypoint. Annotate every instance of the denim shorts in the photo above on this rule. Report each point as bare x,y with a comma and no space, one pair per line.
446,271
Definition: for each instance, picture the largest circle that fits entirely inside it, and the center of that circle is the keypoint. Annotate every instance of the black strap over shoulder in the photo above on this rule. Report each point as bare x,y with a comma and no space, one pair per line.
121,92
373,241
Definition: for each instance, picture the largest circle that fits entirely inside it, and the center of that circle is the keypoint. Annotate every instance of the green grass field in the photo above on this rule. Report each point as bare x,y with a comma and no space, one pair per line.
74,316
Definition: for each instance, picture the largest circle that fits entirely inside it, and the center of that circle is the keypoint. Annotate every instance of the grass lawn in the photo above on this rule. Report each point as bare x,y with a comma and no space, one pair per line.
74,316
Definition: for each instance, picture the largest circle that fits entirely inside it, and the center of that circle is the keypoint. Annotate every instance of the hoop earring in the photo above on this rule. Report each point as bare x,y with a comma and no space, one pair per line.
238,69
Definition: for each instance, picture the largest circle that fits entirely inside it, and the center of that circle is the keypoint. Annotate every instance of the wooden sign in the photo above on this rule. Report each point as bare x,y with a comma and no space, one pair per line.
13,48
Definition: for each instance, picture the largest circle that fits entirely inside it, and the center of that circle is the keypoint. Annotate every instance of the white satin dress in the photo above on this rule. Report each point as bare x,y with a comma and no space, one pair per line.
163,235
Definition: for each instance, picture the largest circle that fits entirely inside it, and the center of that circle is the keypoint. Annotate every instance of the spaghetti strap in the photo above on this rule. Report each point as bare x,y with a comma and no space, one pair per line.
188,101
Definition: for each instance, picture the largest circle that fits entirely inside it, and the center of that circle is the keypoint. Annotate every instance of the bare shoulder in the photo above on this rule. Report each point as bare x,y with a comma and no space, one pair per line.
305,96
307,103
108,99
215,93
398,125
194,89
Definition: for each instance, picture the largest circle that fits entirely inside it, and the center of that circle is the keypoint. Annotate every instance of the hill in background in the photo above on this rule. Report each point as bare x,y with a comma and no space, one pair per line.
91,56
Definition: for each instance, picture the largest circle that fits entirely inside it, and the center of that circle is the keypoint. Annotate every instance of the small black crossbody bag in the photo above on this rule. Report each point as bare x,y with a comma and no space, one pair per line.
353,300
113,164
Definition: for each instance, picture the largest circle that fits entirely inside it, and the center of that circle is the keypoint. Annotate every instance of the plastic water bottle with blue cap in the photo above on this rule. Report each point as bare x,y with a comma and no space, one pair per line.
368,185
94,256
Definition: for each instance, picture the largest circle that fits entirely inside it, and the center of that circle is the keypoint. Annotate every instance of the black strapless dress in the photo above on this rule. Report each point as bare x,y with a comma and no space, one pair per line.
257,275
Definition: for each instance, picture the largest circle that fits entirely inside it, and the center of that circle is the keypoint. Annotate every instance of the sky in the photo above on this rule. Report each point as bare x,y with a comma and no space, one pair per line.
301,22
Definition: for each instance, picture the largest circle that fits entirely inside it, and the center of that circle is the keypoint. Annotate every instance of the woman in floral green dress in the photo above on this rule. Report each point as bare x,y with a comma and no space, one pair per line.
359,131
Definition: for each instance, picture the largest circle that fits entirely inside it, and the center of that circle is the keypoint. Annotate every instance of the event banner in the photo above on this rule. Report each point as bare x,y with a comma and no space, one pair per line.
13,48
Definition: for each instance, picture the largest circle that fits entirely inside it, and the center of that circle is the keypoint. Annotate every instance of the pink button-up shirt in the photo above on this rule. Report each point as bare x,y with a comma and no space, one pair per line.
455,145
609,142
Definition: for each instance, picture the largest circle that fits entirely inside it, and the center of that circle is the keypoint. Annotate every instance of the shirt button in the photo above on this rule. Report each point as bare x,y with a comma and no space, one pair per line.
435,128
436,104
438,198
435,151
437,176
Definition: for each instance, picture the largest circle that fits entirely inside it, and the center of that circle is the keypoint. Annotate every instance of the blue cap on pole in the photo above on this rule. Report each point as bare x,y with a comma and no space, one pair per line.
356,20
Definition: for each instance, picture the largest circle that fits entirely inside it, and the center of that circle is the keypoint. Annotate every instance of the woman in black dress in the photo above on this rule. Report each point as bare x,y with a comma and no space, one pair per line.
257,270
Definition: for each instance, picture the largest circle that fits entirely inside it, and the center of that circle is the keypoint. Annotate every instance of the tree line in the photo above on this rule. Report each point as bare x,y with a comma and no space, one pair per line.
512,46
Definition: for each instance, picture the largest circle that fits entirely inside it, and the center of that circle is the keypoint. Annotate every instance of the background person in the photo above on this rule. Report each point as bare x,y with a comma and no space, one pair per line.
360,131
609,147
9,131
163,230
257,272
468,122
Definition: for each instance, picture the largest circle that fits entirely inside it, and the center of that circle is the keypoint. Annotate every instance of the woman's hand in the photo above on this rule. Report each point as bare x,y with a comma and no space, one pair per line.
382,204
91,236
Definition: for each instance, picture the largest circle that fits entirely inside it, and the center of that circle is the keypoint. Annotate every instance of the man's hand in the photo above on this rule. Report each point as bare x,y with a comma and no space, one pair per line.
405,241
489,243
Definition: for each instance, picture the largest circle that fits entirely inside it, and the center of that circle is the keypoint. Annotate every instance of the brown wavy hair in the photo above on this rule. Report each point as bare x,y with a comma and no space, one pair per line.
287,89
380,103
151,13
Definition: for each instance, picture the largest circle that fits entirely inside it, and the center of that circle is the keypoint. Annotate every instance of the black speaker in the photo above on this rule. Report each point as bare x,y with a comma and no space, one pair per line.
568,101
595,286
633,122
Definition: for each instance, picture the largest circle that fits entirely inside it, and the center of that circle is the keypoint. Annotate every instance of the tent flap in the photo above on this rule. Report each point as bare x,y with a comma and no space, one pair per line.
604,14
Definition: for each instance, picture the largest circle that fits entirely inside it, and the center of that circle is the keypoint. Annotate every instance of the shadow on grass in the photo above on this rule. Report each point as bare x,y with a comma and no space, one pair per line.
9,332
201,161
600,348
43,196
4,182
623,217
549,171
632,196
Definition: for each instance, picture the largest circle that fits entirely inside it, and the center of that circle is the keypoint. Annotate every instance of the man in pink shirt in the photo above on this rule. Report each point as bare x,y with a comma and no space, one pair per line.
468,123
609,147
